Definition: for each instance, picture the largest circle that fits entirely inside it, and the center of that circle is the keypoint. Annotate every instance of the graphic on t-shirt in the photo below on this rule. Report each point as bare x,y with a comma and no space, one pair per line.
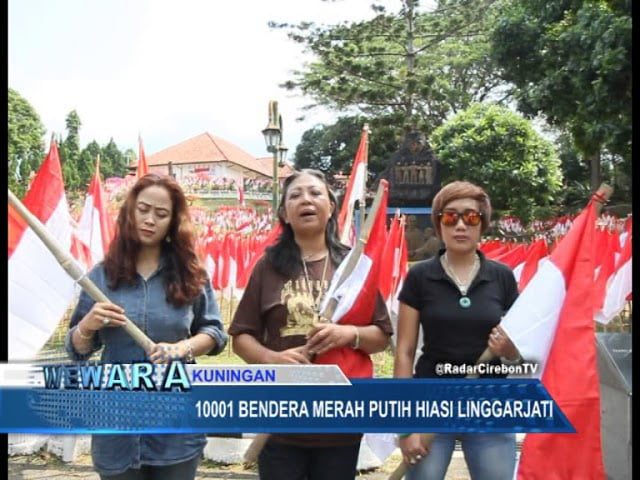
301,308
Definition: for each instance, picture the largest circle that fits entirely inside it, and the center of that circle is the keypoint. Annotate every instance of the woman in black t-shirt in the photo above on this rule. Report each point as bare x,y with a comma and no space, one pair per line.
458,297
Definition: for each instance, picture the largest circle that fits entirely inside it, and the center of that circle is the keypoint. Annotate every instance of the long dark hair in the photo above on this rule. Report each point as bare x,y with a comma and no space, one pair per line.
185,276
285,255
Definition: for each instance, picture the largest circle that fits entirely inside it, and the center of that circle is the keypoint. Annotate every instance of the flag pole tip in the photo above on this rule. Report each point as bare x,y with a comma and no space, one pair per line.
603,194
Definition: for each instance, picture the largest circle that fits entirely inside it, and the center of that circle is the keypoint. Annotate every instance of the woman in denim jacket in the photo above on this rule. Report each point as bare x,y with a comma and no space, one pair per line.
152,275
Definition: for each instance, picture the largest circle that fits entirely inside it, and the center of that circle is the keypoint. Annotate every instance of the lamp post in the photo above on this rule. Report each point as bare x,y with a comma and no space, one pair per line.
282,149
273,138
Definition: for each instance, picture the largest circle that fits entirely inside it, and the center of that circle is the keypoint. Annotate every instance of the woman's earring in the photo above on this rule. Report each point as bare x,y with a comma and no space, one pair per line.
167,239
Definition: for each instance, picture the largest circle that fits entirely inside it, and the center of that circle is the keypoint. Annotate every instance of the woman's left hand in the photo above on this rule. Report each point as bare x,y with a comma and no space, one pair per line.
165,352
501,345
326,336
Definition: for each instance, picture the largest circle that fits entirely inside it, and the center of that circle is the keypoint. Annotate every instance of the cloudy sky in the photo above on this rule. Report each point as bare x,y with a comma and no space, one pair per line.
166,69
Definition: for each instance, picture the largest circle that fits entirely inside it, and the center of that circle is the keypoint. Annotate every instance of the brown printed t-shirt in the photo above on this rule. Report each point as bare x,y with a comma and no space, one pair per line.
280,311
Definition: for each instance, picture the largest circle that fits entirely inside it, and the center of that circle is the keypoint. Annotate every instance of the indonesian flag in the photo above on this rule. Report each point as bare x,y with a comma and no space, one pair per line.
387,268
355,190
240,193
79,250
489,246
551,323
617,288
212,256
222,274
229,266
95,229
143,169
392,273
498,251
210,266
400,270
242,252
39,289
356,296
256,254
536,254
512,257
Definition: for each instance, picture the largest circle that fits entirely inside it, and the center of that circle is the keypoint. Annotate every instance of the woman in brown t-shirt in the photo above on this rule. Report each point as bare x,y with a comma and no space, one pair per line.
277,321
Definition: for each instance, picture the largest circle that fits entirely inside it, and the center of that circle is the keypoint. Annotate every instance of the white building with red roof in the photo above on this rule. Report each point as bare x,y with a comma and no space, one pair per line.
211,157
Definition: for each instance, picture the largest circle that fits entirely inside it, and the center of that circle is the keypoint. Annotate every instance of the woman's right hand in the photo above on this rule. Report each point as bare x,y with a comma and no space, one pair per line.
292,355
101,315
413,451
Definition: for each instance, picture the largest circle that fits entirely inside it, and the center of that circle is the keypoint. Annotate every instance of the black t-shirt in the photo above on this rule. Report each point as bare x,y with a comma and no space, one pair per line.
453,334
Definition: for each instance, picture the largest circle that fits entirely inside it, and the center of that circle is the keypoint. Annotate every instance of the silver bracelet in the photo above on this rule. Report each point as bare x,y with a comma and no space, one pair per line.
189,357
506,361
84,337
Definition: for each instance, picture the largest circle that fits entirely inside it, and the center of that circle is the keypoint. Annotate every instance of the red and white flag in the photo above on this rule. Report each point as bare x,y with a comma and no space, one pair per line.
355,190
40,290
356,296
240,193
210,266
143,169
228,266
401,268
617,287
389,252
536,254
392,273
95,228
512,257
256,254
551,323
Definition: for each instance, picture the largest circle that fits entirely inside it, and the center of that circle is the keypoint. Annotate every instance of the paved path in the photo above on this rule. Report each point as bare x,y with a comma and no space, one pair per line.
46,466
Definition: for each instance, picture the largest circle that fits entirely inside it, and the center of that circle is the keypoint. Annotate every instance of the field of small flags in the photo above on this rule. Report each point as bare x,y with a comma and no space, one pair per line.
231,239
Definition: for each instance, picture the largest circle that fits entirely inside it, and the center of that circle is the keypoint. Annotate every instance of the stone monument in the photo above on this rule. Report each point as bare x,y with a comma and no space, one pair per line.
413,173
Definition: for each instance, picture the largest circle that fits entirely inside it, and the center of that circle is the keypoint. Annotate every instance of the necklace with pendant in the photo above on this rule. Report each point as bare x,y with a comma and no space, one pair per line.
318,298
464,301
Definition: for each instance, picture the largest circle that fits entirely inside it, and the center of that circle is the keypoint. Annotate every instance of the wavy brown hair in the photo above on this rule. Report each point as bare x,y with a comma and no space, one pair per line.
185,276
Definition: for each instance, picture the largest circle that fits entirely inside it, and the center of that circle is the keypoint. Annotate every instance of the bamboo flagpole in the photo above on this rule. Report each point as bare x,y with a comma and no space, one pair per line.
601,197
260,440
68,263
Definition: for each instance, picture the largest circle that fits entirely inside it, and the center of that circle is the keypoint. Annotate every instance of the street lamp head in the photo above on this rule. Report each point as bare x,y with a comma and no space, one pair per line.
272,133
282,154
271,138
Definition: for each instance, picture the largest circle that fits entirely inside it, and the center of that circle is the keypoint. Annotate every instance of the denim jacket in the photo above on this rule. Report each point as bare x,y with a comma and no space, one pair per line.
145,305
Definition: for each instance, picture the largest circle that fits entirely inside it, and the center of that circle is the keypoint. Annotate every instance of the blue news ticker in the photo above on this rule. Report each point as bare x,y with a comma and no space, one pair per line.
294,406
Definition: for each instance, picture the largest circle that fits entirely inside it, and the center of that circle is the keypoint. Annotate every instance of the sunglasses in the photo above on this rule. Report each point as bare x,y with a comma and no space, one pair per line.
471,218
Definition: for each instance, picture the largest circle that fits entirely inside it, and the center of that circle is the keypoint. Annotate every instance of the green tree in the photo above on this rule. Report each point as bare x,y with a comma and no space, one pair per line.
571,61
115,162
575,173
498,149
412,67
129,154
24,139
87,162
72,170
332,148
